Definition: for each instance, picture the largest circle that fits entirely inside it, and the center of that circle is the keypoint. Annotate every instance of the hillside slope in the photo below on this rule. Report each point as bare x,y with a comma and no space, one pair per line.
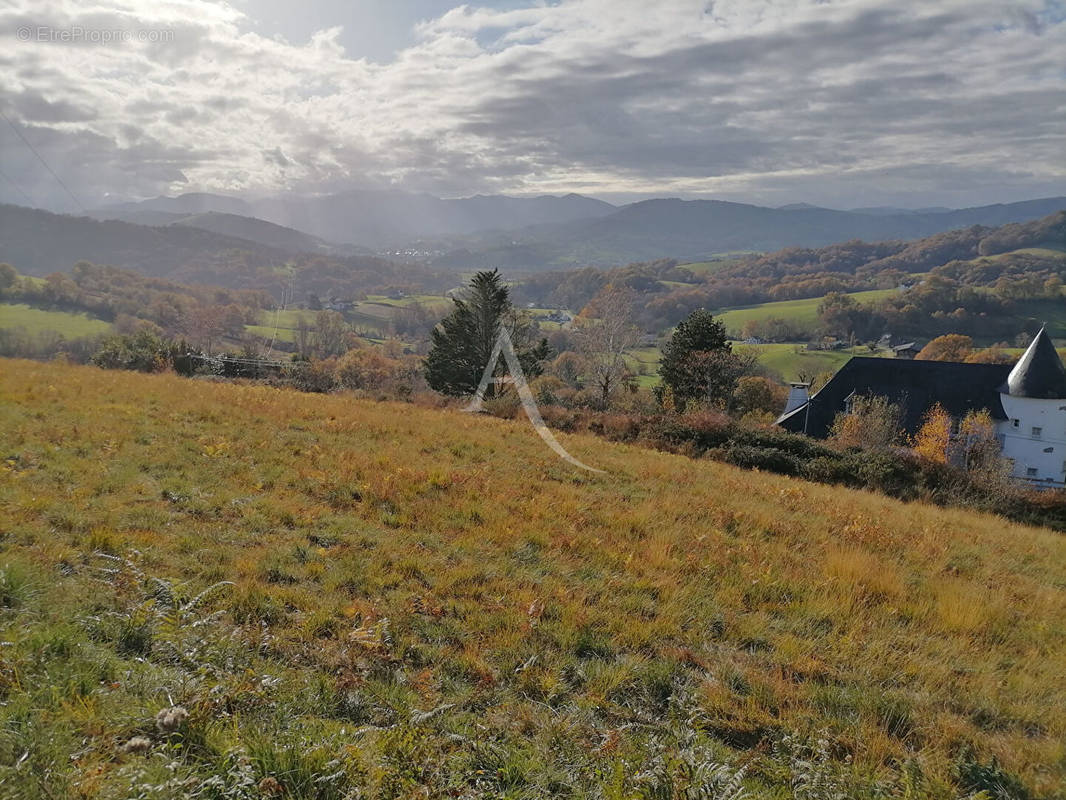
379,218
39,243
424,598
696,229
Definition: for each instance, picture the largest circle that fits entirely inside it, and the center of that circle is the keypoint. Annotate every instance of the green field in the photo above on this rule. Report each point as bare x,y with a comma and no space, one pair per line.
288,321
1050,312
713,264
36,321
789,361
800,312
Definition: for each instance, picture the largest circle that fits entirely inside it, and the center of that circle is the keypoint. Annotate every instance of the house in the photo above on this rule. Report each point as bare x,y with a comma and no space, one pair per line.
1026,401
1034,402
907,350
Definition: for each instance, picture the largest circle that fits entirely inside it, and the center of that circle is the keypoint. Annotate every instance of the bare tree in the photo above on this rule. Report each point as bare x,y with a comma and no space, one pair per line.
303,337
331,333
604,331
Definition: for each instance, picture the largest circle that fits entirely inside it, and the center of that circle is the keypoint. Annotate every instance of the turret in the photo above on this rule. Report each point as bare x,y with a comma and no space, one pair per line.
1034,400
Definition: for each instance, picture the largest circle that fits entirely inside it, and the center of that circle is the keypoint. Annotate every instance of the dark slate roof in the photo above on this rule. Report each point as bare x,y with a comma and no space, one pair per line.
915,385
1039,372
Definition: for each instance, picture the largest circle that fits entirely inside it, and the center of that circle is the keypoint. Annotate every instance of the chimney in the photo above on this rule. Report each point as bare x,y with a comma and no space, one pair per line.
797,396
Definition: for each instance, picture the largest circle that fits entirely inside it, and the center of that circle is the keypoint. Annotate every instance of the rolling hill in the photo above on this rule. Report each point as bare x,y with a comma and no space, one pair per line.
264,593
39,243
234,225
696,229
381,219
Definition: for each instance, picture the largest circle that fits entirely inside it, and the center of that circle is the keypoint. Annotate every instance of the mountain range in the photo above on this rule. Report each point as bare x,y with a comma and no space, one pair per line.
373,219
693,230
547,231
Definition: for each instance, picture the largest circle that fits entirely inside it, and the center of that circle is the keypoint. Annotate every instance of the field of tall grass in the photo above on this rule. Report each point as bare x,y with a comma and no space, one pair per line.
221,590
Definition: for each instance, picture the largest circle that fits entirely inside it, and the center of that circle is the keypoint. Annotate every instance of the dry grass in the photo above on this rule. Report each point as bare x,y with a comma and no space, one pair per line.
570,628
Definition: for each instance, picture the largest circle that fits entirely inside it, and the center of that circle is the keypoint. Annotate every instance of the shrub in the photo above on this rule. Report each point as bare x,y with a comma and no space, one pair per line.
142,351
312,376
769,459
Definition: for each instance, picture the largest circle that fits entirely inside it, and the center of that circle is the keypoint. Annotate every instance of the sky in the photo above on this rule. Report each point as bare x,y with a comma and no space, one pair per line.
843,103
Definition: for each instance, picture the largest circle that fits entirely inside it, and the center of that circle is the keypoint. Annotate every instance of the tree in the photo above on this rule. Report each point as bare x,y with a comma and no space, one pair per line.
990,355
981,451
463,341
204,325
933,439
758,395
331,334
8,275
837,314
568,367
698,362
871,422
142,351
950,347
605,330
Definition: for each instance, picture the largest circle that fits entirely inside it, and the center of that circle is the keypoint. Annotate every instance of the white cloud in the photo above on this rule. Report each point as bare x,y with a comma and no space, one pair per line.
865,100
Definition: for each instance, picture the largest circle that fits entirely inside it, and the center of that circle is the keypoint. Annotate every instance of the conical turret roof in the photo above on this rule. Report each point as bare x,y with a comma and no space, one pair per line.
1039,372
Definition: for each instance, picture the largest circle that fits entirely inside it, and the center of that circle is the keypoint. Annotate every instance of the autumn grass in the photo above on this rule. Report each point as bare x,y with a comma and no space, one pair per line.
400,597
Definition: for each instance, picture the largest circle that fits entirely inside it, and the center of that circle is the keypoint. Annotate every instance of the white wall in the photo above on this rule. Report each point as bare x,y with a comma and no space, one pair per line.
1027,450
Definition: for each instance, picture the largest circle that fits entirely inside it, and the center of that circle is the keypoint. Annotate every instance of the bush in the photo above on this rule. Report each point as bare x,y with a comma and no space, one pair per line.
312,376
769,459
142,351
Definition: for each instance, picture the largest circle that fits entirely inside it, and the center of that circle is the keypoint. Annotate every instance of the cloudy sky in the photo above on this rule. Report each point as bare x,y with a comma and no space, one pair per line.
837,102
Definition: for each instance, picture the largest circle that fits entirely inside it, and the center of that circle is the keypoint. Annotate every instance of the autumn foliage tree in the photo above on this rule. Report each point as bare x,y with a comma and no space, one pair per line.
933,439
871,423
950,347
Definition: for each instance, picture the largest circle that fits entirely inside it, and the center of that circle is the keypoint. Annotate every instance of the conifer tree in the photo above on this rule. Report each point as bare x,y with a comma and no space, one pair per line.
462,343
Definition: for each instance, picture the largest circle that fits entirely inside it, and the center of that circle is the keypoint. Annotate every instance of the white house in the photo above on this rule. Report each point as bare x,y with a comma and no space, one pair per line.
1026,401
1033,434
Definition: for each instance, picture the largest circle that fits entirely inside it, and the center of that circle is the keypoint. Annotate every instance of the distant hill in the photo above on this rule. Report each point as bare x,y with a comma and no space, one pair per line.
256,230
379,219
697,229
551,231
237,225
39,243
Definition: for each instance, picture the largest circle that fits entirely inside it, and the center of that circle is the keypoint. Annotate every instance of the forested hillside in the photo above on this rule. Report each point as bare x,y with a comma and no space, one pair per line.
977,269
40,243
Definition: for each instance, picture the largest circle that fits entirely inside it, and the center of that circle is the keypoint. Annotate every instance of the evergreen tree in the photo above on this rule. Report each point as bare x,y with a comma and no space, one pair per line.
462,343
698,362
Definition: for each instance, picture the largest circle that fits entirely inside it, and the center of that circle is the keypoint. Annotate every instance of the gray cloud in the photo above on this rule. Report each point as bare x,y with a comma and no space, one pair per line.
847,103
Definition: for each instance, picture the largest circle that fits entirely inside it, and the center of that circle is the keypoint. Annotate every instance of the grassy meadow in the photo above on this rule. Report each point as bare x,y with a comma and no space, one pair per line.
789,360
36,321
219,590
799,312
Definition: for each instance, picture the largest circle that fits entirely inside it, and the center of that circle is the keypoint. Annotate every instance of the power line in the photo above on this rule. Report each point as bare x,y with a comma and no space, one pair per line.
18,188
45,163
